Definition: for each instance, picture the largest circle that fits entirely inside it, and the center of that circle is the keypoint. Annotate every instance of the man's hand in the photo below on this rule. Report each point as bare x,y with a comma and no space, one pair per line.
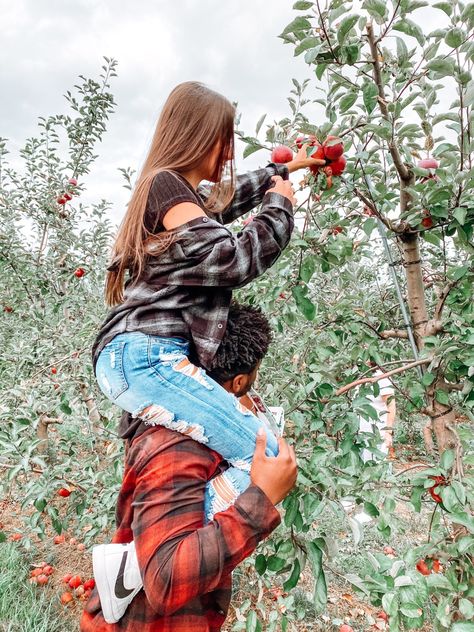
284,187
275,475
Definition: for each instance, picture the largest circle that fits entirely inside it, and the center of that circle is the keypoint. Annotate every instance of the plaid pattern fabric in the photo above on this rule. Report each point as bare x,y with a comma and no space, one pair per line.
187,290
186,565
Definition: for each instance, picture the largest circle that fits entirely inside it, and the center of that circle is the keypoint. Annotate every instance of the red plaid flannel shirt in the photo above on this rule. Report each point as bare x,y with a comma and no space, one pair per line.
186,566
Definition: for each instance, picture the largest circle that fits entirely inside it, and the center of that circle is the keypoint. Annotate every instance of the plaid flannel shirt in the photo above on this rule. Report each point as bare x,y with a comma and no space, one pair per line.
187,290
186,566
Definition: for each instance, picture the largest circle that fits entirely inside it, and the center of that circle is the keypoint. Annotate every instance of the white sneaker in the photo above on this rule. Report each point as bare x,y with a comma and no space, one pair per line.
117,577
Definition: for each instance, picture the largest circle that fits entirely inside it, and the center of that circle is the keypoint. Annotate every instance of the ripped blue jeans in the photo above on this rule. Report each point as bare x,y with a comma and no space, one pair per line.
151,378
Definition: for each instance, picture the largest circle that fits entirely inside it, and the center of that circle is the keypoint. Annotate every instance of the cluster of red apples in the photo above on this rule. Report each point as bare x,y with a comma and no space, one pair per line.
331,151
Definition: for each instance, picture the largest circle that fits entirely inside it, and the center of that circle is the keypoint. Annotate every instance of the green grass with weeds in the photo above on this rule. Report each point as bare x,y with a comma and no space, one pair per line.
25,607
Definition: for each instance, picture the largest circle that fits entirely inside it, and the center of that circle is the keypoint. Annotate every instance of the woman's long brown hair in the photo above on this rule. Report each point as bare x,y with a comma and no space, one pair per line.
193,121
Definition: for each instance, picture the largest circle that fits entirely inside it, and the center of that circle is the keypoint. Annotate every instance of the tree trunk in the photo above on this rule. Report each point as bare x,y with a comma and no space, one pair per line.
442,416
89,401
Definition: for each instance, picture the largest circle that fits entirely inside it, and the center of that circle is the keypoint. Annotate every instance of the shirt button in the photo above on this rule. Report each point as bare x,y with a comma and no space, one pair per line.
219,326
205,219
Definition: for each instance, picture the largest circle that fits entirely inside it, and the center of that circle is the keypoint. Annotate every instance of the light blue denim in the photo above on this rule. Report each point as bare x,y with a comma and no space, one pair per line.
137,370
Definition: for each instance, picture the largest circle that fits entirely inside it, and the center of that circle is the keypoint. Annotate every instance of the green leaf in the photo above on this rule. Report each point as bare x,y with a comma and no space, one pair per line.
302,5
410,28
320,589
308,42
464,519
369,93
466,608
447,7
428,378
298,24
411,610
442,67
402,50
251,622
460,213
66,409
345,26
347,101
275,563
292,580
447,459
250,149
40,504
260,564
3,537
305,306
377,9
307,268
468,14
442,397
454,37
463,626
259,124
469,97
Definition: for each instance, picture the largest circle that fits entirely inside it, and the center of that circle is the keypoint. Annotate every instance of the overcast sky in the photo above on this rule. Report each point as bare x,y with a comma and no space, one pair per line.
231,46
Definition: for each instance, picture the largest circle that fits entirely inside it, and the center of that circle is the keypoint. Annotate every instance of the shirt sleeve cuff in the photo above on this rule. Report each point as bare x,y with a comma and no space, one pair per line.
277,200
254,505
279,170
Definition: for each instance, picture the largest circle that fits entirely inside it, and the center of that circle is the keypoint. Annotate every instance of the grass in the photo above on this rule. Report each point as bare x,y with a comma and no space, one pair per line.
25,607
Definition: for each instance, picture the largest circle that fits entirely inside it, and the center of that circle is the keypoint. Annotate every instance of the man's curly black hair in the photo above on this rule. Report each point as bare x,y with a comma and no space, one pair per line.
245,343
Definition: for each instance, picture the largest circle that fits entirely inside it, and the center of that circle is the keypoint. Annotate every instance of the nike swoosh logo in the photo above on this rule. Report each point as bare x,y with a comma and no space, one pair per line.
120,591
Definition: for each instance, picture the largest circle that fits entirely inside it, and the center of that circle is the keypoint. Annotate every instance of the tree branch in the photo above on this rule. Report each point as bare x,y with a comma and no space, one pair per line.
403,172
377,378
394,333
442,298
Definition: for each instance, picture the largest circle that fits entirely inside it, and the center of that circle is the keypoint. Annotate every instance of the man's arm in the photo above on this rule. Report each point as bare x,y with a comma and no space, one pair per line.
179,557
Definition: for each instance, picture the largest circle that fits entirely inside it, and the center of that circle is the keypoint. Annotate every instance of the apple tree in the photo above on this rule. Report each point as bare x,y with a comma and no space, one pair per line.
381,270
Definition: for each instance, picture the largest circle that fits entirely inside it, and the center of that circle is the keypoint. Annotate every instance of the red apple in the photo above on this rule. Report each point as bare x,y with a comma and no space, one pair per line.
81,546
80,272
333,151
64,492
36,571
281,154
54,370
346,628
59,539
73,182
427,222
337,229
41,580
8,309
66,598
382,615
422,567
67,196
89,584
338,166
48,570
436,566
61,200
75,581
300,141
16,537
428,163
67,578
